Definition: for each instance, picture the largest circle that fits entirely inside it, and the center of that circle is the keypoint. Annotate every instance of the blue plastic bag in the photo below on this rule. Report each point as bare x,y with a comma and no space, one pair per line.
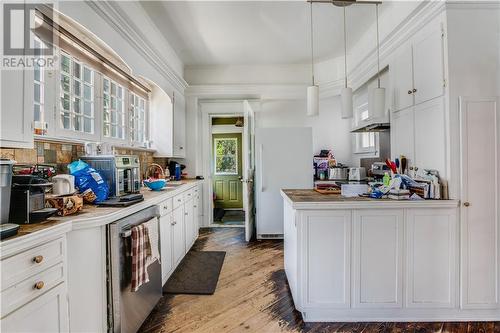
87,177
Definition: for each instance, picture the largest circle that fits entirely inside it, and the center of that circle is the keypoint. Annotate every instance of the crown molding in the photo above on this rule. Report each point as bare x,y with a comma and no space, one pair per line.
119,20
249,91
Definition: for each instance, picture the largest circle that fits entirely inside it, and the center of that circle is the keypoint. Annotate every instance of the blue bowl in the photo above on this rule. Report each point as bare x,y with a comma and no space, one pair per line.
155,185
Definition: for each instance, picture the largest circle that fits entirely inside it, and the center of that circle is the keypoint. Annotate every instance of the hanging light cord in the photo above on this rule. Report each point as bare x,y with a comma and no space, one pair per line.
378,49
312,45
345,49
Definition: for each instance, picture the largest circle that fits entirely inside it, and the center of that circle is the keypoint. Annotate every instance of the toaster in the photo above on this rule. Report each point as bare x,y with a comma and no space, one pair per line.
357,173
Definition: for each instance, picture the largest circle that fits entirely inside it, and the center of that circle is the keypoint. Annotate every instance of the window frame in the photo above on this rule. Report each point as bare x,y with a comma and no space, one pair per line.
119,140
358,143
235,157
131,117
58,109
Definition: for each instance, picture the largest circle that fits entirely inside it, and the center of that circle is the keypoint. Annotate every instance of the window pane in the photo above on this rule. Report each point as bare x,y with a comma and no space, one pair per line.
105,85
77,105
78,123
114,131
37,73
226,152
106,116
119,118
87,108
65,83
65,120
113,117
77,88
106,129
65,63
87,75
113,88
37,92
113,103
87,125
37,115
77,70
87,92
106,101
65,102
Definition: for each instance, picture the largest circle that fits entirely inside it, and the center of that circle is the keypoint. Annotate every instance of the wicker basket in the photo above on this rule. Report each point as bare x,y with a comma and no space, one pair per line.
155,171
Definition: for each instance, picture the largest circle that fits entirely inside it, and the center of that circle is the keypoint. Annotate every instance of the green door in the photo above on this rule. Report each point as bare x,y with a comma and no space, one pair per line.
228,167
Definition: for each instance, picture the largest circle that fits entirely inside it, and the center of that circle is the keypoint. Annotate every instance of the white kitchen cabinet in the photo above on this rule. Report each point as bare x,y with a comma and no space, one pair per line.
326,280
428,62
377,258
418,67
401,71
479,210
166,248
179,137
47,313
430,139
402,134
178,235
189,223
16,112
432,254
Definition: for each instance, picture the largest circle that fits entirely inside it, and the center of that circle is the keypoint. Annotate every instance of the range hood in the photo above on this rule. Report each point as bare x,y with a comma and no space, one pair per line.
375,126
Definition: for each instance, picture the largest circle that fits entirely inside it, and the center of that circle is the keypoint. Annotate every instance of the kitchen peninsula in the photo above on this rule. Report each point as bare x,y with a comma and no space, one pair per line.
353,259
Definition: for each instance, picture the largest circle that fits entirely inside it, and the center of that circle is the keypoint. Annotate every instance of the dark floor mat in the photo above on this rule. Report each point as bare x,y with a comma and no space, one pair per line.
218,214
198,273
234,216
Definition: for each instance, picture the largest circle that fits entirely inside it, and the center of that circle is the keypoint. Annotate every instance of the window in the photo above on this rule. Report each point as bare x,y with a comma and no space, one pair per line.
366,142
137,118
226,156
77,95
113,109
39,127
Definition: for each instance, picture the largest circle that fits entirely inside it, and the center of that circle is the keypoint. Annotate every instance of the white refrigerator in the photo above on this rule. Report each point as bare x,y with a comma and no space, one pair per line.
283,159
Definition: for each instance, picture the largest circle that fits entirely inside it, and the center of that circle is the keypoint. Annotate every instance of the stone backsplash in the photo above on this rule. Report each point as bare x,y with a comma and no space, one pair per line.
59,155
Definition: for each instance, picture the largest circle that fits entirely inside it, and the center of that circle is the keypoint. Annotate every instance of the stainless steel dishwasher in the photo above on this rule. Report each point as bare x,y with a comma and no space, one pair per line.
127,310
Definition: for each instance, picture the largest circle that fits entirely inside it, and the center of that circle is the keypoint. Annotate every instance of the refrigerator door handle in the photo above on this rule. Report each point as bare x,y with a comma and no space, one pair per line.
261,148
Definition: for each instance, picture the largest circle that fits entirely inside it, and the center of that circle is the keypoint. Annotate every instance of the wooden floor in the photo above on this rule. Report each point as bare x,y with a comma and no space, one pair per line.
253,296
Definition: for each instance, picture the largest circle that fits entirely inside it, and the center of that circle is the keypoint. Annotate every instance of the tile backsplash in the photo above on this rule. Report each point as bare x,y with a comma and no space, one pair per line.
59,155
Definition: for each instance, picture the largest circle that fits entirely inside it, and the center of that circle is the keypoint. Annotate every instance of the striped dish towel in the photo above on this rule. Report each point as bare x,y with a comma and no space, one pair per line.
141,250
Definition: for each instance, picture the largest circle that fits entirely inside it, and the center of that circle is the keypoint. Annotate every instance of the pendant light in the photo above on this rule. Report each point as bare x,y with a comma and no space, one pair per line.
313,90
346,92
377,95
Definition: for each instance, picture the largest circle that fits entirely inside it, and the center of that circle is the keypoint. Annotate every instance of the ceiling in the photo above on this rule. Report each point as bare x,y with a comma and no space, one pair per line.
255,32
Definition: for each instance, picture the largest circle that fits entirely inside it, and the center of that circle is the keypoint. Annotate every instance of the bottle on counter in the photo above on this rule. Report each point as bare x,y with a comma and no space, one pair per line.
386,179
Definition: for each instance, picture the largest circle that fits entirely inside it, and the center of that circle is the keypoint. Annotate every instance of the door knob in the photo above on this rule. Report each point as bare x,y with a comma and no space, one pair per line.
466,204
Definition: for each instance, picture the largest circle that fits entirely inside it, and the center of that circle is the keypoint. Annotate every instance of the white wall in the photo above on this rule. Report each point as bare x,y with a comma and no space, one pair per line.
329,130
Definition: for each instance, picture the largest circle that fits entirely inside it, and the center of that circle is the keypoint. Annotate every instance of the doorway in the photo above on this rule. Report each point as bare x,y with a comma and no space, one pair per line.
227,174
229,117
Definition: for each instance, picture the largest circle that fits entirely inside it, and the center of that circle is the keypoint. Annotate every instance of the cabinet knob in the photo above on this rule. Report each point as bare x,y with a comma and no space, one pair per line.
179,200
195,206
39,285
466,204
186,213
409,92
414,90
38,259
165,207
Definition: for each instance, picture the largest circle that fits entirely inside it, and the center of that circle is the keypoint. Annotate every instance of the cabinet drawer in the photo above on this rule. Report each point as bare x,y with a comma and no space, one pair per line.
189,194
30,288
166,206
178,200
33,261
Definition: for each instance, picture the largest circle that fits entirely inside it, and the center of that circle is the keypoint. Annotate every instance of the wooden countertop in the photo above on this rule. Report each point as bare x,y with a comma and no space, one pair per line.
310,199
92,215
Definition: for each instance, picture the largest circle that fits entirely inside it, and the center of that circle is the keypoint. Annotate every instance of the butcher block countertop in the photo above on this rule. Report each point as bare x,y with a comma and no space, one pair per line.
94,216
310,199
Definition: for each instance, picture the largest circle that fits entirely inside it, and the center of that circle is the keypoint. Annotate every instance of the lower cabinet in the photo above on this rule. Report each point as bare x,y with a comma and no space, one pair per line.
48,313
327,237
432,259
179,223
377,258
401,262
178,242
166,248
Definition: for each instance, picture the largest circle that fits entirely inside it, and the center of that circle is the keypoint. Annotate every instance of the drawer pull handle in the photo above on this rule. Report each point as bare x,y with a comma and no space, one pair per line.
186,213
179,200
39,285
195,206
38,259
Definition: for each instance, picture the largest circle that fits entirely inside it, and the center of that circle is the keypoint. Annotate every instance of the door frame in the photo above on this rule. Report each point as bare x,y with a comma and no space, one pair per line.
225,110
